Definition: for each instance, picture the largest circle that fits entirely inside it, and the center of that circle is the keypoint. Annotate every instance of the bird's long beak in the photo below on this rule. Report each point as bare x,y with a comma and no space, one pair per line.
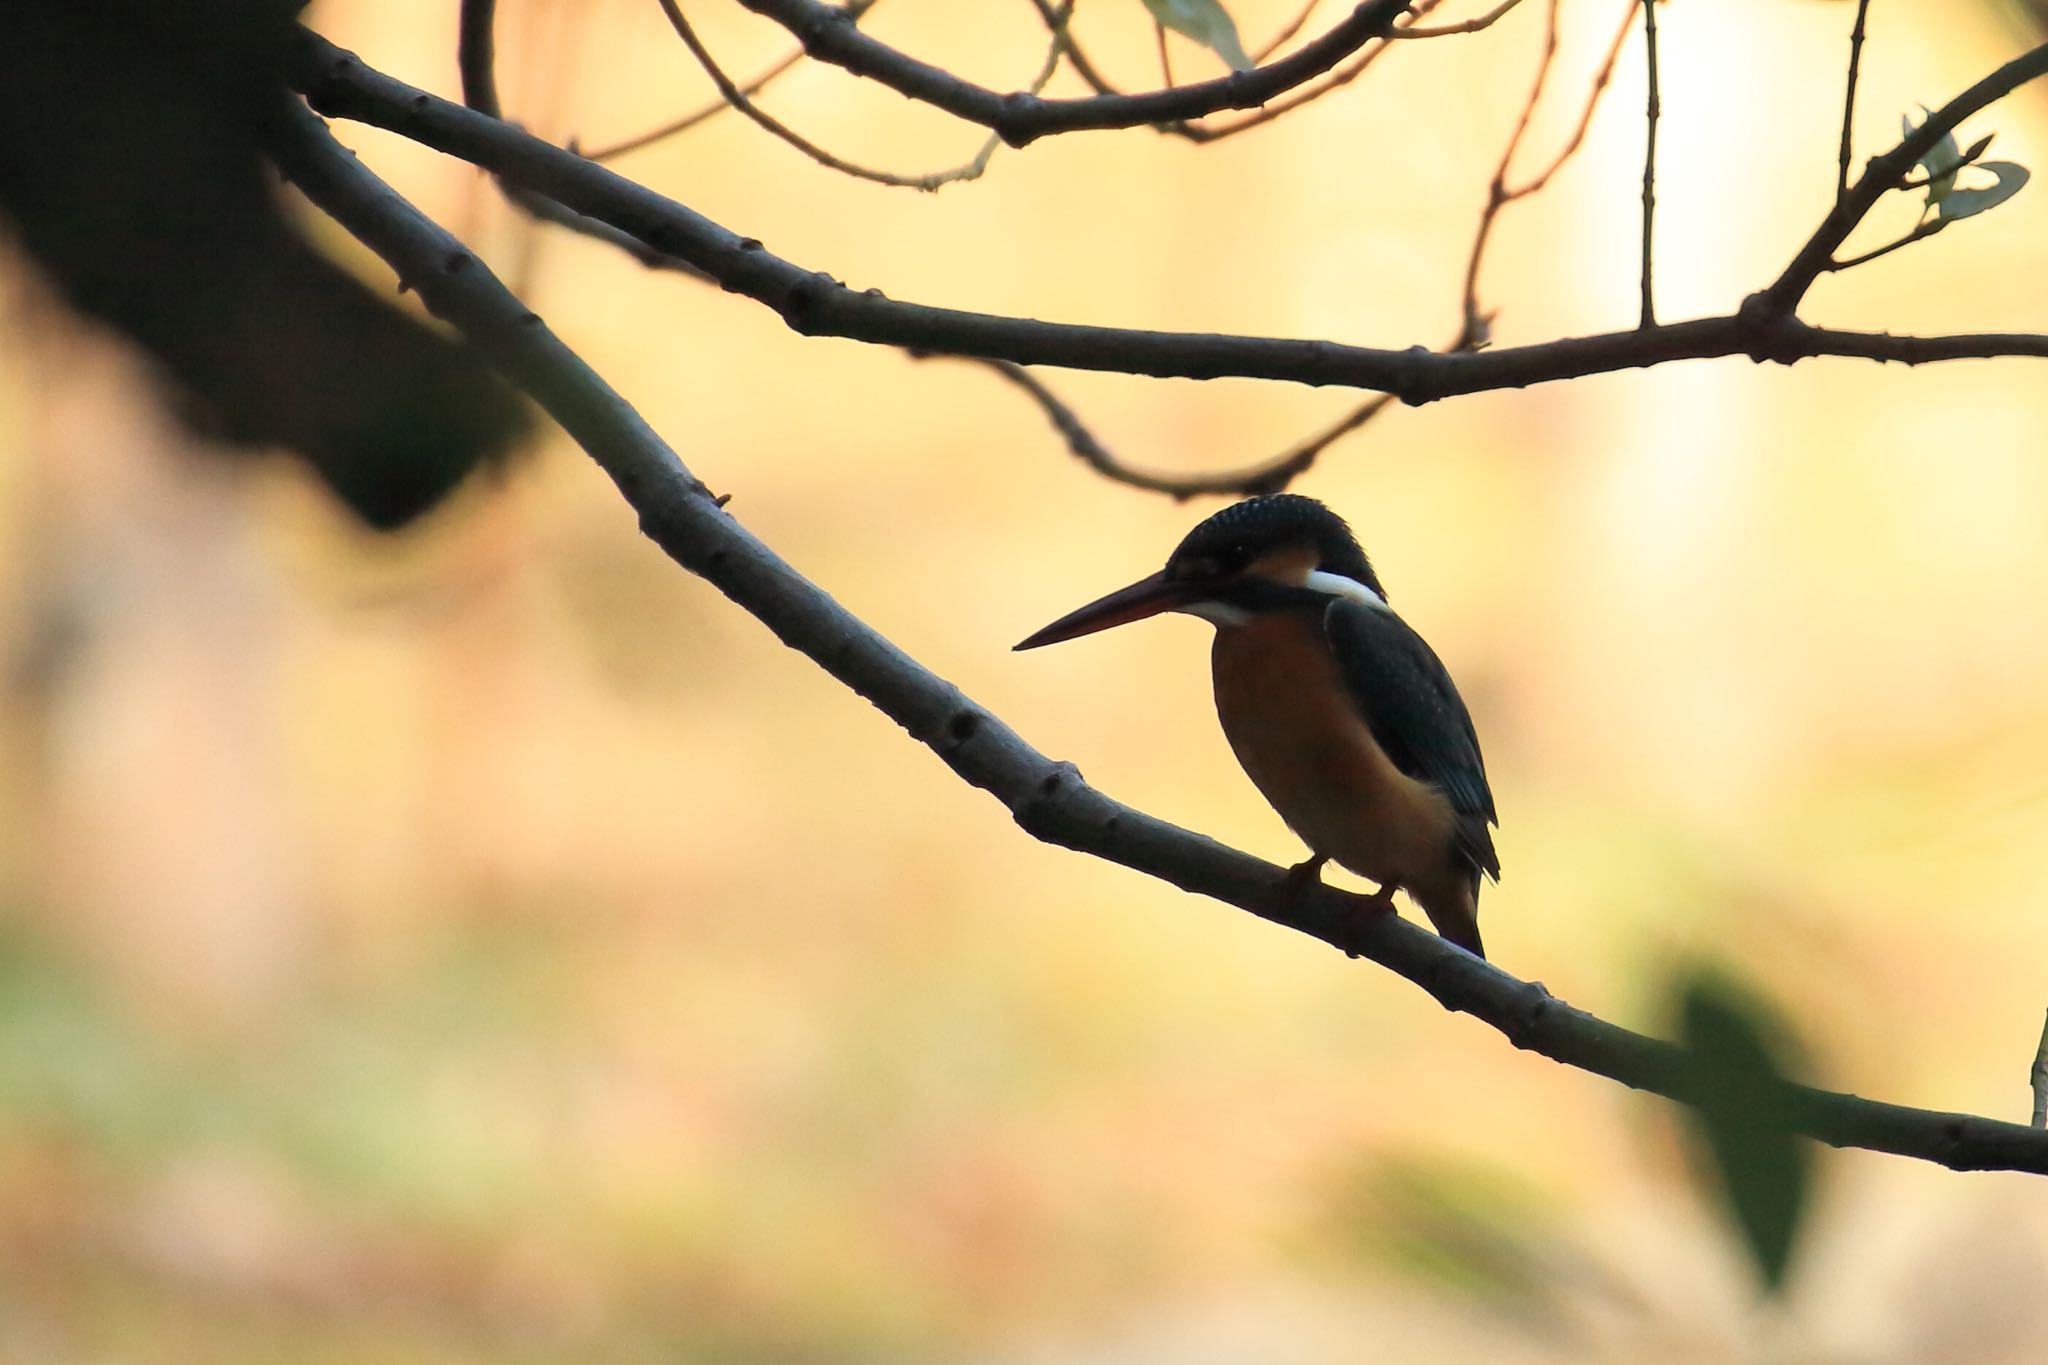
1146,597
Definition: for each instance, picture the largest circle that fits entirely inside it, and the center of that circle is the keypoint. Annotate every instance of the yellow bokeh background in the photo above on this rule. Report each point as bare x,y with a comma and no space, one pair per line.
490,945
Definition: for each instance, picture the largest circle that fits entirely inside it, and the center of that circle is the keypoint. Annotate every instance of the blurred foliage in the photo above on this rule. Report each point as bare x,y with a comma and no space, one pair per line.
1743,1147
1475,1231
131,171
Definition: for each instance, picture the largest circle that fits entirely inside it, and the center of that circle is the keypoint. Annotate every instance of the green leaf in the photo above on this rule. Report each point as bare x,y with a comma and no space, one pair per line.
1941,161
1964,203
1208,23
1744,1151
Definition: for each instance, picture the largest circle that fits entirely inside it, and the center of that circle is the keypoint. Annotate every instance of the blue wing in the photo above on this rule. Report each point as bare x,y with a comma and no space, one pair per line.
1416,714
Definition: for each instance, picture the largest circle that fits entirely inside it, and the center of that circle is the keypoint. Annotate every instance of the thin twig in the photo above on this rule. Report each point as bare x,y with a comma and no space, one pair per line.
1484,21
476,62
1652,110
969,170
1309,94
1601,79
815,304
1063,31
1165,58
1336,79
1476,325
1020,118
855,9
1287,30
1266,476
1849,100
1918,234
1048,800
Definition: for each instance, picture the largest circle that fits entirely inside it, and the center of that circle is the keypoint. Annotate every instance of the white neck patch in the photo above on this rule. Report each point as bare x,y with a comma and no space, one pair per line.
1218,613
1337,585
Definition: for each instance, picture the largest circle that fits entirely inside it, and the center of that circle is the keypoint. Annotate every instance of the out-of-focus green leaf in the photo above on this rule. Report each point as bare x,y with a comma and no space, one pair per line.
1477,1233
1208,23
1745,1155
1941,161
1963,203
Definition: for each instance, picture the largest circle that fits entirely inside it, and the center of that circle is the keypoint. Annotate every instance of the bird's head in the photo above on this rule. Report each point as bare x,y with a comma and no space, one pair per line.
1273,553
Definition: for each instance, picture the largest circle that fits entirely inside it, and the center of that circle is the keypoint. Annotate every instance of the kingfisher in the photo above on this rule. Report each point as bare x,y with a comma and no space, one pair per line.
1342,716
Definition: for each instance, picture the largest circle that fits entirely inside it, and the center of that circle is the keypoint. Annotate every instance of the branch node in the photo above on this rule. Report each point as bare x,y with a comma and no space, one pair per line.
815,28
1017,117
1034,814
1768,332
803,298
1412,384
1523,1026
963,726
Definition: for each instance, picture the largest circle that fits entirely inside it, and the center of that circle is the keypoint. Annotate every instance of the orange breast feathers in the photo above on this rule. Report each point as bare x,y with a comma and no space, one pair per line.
1306,746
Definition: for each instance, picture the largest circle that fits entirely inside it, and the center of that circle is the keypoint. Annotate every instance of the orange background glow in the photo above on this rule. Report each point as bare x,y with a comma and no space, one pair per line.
490,945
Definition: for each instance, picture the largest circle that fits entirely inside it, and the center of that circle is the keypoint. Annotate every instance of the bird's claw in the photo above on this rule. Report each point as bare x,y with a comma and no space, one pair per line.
1364,911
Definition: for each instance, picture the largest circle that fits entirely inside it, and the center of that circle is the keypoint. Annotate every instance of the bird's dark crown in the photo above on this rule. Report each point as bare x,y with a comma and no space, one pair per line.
1228,542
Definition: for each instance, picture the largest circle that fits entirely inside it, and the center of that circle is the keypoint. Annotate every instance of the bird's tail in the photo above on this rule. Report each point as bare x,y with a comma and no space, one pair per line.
1454,910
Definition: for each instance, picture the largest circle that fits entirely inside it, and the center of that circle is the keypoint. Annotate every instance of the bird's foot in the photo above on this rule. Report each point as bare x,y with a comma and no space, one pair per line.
1365,911
1300,878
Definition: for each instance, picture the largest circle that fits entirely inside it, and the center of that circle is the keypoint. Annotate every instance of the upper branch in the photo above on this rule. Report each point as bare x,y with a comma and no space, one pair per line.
1049,800
828,35
476,60
818,305
1886,173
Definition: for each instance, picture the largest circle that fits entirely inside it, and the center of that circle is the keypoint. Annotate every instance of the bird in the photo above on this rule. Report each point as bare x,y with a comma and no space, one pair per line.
1339,712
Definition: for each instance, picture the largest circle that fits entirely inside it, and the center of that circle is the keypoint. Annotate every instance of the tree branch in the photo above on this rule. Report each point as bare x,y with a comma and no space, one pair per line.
754,86
815,304
971,169
1849,100
1478,323
1020,118
476,60
1473,25
1267,476
1063,33
1049,800
1305,94
1652,111
1886,173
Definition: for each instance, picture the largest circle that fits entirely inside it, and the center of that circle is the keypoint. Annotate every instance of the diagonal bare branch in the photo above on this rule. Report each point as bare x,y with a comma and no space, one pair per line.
1049,800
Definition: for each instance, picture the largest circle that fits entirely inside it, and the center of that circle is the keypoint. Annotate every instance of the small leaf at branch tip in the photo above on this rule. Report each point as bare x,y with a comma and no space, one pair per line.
1940,162
2009,178
1208,23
